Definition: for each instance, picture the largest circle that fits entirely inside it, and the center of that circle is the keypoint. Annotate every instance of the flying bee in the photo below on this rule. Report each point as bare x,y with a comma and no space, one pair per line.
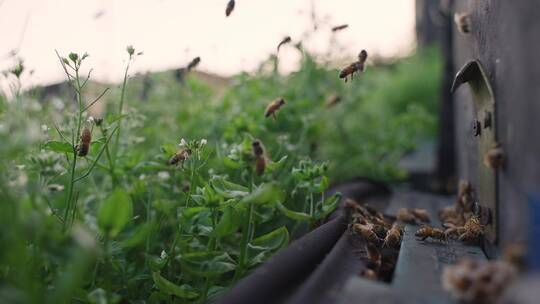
405,215
427,231
366,231
179,157
339,27
230,8
193,63
333,100
494,157
463,22
393,236
285,40
355,67
84,144
260,157
273,107
421,214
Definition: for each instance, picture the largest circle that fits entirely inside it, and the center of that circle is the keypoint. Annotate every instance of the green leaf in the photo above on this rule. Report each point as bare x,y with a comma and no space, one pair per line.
329,205
265,194
138,237
271,241
192,211
207,263
228,224
229,163
272,166
295,215
115,212
149,166
323,184
168,287
58,146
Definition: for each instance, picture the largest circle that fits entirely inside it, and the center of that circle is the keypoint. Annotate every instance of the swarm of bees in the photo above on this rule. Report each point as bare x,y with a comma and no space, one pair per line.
260,156
474,281
285,40
382,237
355,67
230,8
463,22
180,157
339,27
333,100
273,107
84,144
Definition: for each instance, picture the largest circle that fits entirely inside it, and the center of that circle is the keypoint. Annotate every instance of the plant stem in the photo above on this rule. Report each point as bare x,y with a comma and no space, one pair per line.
247,232
69,197
120,108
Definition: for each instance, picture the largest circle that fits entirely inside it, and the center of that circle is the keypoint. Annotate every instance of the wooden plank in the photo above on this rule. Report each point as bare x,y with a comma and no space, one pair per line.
420,263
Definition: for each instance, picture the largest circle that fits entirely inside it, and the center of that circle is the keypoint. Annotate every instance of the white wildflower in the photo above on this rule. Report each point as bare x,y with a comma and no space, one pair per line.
203,141
163,175
182,143
163,255
44,128
90,119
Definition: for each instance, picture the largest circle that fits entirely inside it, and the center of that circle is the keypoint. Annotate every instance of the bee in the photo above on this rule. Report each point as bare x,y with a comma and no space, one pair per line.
465,196
393,236
260,157
333,100
462,21
421,214
472,230
453,231
374,255
405,215
273,107
193,63
179,157
230,8
369,274
355,67
427,231
494,157
84,144
285,40
339,27
366,231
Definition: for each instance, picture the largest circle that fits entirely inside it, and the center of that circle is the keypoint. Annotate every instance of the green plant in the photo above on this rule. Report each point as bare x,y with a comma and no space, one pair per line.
124,223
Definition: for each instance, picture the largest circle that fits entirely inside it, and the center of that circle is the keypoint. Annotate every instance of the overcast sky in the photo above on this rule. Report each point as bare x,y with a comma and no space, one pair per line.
172,32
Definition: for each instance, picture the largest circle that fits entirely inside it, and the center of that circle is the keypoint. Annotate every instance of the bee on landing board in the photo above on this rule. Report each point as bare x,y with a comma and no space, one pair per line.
179,157
339,27
355,67
285,40
230,8
260,156
393,236
427,231
273,107
366,231
84,144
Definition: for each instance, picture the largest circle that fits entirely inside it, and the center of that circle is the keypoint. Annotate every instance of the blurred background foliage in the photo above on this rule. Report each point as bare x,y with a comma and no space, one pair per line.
383,114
